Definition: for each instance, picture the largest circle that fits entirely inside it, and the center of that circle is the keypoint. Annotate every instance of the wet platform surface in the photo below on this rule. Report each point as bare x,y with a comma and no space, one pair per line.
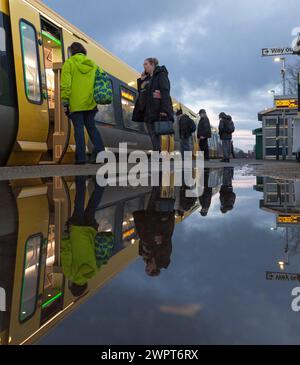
219,269
283,169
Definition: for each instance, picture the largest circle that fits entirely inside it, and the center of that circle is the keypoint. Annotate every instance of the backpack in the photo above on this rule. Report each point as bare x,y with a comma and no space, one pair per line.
187,126
229,126
103,94
104,246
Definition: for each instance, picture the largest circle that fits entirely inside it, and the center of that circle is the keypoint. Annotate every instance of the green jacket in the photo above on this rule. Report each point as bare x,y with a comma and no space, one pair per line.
78,254
77,83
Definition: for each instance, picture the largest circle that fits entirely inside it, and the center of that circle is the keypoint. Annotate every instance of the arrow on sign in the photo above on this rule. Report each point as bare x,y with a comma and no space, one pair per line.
280,51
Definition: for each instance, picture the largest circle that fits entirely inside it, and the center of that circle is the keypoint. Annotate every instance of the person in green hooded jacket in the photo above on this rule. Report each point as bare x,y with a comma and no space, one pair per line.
77,93
84,250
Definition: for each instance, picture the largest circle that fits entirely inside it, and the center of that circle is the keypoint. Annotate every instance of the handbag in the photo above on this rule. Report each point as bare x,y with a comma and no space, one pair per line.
103,94
163,128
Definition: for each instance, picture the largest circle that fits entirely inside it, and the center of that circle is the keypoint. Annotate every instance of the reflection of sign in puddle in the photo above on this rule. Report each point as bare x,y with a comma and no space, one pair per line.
280,276
2,300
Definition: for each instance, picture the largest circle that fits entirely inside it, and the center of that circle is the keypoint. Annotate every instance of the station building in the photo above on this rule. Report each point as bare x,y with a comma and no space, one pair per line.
279,138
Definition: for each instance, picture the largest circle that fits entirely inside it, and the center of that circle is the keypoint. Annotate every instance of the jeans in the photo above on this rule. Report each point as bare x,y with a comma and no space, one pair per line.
154,137
81,216
203,144
186,145
226,144
86,119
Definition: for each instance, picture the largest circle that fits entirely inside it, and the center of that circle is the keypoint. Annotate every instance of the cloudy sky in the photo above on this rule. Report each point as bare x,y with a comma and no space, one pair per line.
211,47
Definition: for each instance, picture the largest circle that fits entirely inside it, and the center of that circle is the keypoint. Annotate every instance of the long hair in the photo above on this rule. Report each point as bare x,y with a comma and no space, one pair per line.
154,61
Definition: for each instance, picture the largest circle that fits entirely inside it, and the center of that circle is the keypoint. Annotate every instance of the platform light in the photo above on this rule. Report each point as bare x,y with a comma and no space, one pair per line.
281,265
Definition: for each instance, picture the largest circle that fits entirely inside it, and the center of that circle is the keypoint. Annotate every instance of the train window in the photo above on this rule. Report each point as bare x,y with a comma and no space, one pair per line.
106,219
128,102
106,113
129,232
31,270
31,62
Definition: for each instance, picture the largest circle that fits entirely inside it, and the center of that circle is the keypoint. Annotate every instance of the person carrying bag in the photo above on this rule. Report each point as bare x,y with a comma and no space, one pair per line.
154,105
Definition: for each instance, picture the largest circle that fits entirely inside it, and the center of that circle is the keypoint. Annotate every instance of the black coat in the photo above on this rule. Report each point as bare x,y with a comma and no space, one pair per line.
204,128
227,198
140,105
186,126
153,107
224,135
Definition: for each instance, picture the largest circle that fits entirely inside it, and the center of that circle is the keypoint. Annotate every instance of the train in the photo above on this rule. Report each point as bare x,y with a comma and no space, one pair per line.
34,43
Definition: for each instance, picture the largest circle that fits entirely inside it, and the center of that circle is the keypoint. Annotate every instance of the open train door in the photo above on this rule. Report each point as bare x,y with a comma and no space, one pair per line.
31,141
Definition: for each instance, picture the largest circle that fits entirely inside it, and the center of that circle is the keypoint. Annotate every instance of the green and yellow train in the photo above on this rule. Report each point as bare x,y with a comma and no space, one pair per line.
34,42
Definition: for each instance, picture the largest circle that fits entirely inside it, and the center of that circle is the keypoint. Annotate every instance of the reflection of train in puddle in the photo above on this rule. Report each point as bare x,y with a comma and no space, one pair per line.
33,216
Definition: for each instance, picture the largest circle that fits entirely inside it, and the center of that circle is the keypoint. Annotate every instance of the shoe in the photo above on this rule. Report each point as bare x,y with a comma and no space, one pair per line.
80,162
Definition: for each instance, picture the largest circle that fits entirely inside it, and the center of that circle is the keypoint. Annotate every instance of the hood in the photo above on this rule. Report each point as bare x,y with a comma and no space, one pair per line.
83,64
225,116
160,69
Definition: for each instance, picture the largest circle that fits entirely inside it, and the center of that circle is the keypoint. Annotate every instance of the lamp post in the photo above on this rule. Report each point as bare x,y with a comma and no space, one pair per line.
283,72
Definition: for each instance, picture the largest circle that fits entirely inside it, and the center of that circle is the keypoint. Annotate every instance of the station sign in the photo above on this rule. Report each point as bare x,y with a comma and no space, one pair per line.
288,219
277,51
286,103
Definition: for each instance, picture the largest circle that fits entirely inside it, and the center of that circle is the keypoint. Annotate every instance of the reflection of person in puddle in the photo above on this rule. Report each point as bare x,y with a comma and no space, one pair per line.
227,196
205,199
84,250
155,227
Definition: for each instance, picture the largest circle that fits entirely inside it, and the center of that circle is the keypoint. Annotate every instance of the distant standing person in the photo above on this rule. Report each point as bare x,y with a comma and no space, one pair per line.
154,102
204,133
77,93
186,129
226,129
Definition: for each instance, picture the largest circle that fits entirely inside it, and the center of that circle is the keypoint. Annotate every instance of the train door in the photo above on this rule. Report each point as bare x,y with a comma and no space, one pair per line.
69,155
58,135
53,289
31,141
33,222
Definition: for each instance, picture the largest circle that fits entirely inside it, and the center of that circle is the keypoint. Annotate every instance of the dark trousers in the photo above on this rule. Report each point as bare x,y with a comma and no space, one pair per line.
86,119
156,142
227,149
204,147
86,217
186,145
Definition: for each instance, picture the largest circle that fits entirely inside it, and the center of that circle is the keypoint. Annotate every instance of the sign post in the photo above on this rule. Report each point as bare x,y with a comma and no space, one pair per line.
277,51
